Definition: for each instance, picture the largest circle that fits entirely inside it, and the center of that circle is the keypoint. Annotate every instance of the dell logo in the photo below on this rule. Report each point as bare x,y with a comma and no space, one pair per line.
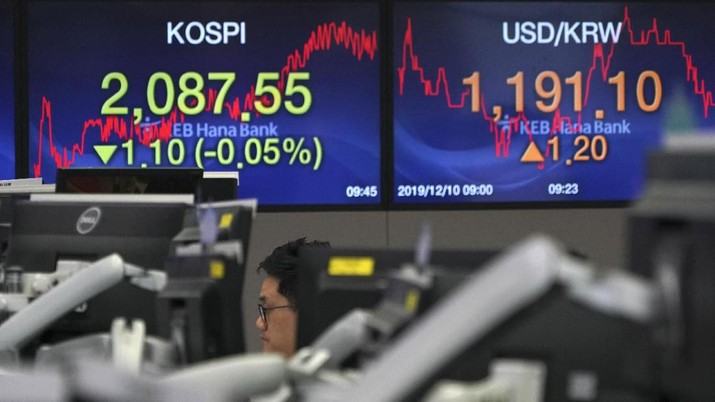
88,220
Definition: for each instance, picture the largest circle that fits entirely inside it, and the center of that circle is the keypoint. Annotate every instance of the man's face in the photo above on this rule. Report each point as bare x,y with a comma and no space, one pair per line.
278,333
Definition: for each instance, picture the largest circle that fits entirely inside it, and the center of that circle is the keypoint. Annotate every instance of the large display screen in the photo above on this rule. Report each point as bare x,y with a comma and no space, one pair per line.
539,102
7,93
286,93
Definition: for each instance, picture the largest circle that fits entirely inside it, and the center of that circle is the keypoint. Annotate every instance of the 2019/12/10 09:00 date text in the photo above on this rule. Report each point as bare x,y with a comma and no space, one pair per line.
445,190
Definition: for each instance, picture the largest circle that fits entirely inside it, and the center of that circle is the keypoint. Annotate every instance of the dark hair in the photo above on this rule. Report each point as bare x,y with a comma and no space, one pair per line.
282,264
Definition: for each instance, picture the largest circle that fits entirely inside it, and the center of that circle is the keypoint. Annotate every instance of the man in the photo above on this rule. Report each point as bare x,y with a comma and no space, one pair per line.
278,299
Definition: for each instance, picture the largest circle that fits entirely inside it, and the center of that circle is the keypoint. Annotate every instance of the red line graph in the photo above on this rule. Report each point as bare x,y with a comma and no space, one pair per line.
325,37
600,62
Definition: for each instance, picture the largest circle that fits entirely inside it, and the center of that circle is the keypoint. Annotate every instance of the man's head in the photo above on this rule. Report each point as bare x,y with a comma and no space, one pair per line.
278,299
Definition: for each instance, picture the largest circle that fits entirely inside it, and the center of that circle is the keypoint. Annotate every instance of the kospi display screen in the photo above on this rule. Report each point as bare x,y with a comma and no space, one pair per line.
286,93
540,102
7,93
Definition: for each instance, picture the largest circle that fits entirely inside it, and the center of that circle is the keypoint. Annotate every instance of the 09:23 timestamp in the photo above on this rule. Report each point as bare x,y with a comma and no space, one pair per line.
563,188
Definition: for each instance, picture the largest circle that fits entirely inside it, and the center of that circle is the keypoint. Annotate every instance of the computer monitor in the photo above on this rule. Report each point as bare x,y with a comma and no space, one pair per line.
218,186
7,205
576,344
671,237
128,180
7,90
584,354
541,103
12,191
205,186
233,221
89,227
332,281
205,280
268,96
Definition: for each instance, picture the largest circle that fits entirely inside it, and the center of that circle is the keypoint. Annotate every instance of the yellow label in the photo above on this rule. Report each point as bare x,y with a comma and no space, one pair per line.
351,266
226,220
217,269
412,300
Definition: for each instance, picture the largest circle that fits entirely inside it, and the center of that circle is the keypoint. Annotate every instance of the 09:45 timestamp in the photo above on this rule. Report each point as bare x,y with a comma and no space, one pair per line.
361,191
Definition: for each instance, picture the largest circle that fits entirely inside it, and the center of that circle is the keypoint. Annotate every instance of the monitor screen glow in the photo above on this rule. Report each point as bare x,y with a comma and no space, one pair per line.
286,93
7,92
499,103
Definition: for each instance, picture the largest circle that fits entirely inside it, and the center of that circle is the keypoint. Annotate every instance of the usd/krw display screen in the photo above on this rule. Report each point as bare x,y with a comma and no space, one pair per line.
7,95
285,93
543,102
